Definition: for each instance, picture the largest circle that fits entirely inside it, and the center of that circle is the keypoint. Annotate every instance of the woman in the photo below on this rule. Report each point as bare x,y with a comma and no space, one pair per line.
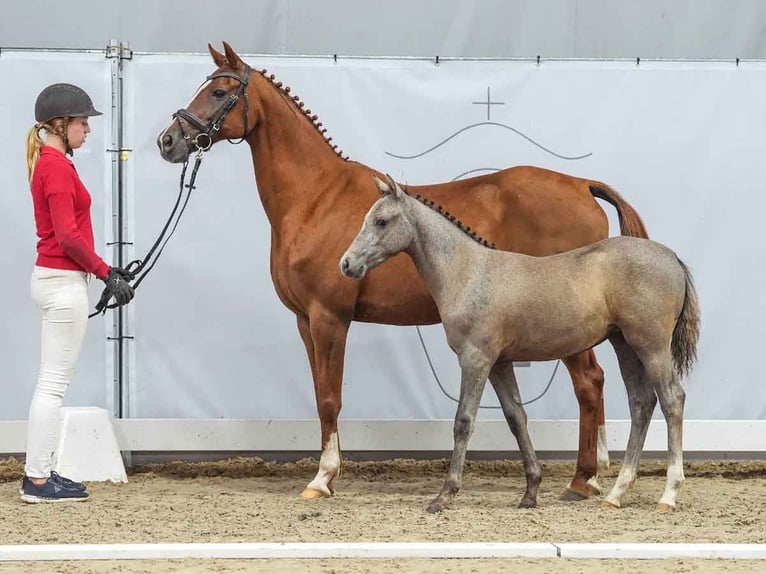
65,259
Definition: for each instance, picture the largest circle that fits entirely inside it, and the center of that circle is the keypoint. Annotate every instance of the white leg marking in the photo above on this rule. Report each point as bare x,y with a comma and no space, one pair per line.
625,480
593,483
602,450
329,463
673,485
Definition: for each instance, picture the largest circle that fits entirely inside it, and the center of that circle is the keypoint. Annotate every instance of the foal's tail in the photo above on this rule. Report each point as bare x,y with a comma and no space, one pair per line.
630,221
686,333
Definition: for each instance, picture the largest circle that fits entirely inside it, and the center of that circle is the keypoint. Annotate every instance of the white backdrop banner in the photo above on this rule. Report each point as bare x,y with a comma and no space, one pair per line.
675,138
22,76
212,340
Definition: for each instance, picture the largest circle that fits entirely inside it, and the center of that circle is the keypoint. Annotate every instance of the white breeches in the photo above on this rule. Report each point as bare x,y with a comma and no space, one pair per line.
62,297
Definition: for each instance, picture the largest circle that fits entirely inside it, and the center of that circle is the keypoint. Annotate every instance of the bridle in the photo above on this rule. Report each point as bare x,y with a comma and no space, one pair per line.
138,269
204,139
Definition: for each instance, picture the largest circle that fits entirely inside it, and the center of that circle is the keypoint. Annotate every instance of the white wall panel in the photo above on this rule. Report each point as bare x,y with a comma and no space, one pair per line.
22,76
676,139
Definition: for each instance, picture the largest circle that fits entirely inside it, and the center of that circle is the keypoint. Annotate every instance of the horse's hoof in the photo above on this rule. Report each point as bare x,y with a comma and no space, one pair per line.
662,507
612,505
313,494
527,503
435,507
570,495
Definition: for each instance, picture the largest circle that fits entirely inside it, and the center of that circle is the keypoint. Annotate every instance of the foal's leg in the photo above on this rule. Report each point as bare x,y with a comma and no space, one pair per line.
473,379
324,335
672,398
503,380
588,381
641,400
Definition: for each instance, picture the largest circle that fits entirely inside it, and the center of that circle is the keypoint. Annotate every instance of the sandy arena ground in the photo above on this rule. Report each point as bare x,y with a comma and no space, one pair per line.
249,500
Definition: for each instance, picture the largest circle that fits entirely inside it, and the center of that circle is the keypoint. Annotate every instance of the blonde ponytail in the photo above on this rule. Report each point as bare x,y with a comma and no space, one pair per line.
56,126
34,143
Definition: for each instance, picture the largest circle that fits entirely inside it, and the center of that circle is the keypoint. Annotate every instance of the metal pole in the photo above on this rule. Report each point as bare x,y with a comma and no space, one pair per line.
112,52
118,52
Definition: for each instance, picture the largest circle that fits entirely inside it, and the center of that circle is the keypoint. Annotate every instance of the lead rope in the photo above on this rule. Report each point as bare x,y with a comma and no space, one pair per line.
454,399
138,269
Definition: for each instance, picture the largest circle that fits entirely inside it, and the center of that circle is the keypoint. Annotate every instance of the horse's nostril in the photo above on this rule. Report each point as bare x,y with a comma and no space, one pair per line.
344,264
167,140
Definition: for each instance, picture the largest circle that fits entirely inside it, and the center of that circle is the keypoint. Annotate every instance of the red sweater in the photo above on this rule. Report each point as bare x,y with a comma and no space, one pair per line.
62,215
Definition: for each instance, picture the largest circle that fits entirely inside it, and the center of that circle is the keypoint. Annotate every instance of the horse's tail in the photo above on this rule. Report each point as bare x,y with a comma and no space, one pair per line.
686,333
630,221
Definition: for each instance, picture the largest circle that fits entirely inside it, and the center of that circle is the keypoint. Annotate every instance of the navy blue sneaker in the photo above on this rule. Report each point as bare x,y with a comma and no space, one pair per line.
66,482
51,491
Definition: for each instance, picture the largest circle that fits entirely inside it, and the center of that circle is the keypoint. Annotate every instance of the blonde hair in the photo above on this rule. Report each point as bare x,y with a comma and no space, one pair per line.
55,126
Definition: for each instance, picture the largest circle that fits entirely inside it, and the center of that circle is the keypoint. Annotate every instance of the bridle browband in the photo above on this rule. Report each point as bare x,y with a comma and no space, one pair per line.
204,139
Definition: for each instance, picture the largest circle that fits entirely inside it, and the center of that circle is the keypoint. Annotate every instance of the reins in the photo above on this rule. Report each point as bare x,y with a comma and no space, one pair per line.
138,269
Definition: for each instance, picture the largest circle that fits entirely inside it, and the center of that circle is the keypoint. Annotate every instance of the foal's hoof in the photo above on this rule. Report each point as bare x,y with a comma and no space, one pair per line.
612,505
435,507
662,507
313,494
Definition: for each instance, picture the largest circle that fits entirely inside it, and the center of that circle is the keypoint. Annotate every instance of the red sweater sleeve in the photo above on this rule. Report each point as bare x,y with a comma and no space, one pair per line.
61,205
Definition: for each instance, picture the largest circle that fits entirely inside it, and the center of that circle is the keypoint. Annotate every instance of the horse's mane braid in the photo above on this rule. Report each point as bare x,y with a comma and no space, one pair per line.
452,219
314,119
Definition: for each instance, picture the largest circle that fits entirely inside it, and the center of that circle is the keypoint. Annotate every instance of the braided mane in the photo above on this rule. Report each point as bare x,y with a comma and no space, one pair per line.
301,107
314,119
452,219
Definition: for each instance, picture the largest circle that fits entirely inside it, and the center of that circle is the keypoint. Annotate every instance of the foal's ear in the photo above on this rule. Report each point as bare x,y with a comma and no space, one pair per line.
218,58
382,186
396,191
234,60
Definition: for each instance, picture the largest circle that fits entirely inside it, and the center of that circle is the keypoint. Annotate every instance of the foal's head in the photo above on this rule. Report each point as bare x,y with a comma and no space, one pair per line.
386,231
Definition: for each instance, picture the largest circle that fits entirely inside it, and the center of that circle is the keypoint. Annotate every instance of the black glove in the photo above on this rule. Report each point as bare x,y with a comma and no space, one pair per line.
124,273
117,286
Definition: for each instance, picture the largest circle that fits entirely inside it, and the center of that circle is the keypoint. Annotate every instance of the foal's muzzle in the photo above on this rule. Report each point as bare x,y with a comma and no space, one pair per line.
352,271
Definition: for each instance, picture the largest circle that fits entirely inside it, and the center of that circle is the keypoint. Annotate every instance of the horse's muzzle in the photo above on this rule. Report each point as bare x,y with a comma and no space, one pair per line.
172,148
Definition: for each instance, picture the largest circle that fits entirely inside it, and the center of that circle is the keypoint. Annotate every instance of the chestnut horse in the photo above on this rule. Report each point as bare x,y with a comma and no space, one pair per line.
305,183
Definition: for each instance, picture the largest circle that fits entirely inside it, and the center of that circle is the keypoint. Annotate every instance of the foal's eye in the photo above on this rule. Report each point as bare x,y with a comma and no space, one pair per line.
381,223
219,93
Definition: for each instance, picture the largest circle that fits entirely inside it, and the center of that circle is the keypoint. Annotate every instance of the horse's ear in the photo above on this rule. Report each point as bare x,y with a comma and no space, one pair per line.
218,58
382,185
396,191
234,60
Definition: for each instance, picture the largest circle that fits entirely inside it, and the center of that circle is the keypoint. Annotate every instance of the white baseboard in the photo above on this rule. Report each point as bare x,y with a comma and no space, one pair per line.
329,550
397,435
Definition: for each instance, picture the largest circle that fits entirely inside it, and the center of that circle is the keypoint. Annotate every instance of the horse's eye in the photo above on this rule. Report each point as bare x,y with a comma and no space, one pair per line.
219,93
381,223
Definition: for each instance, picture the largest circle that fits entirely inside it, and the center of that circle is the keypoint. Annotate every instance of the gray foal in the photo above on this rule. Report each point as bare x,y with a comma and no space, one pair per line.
498,307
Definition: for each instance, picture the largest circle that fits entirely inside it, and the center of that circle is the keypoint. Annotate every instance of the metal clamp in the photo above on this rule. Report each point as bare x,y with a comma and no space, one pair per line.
121,50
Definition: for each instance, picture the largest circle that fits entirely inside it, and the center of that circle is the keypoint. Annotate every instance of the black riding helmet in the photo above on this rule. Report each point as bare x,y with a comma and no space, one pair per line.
63,101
